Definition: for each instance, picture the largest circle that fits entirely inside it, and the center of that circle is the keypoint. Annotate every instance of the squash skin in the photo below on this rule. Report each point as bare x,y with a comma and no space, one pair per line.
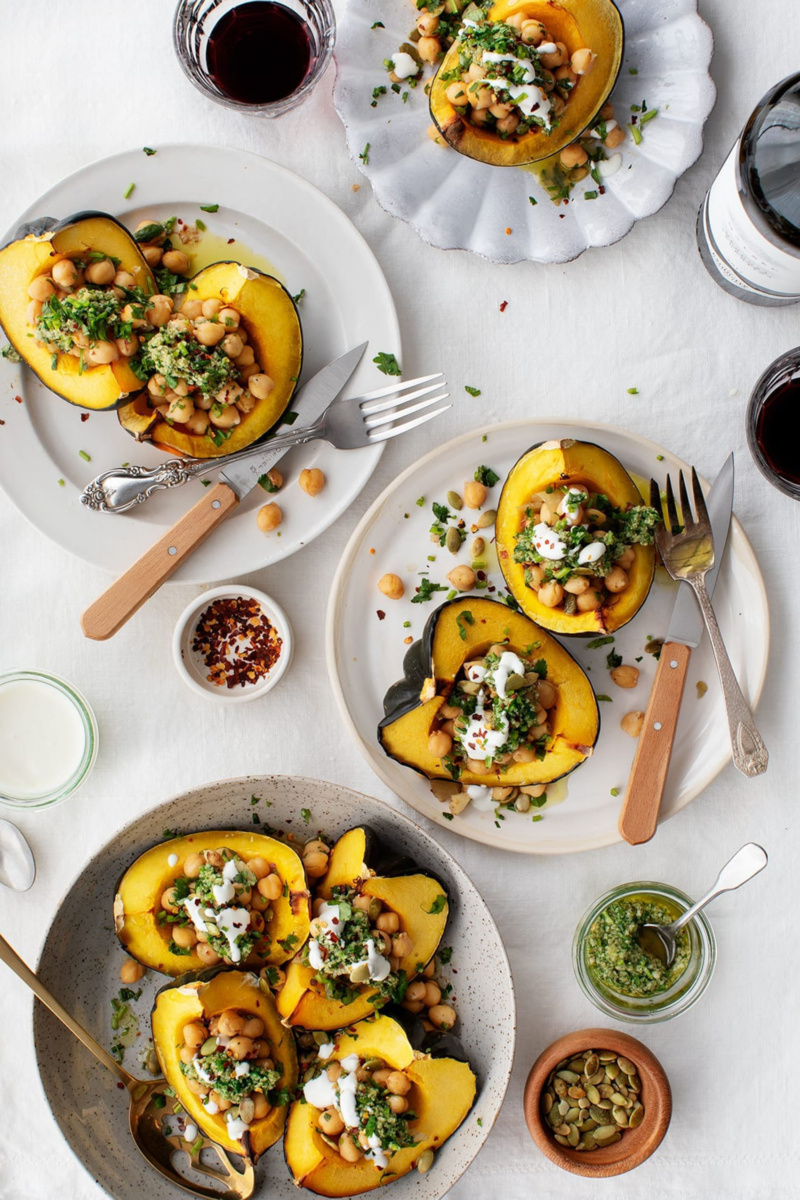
443,1094
408,892
564,462
34,250
208,993
438,656
273,327
140,887
594,23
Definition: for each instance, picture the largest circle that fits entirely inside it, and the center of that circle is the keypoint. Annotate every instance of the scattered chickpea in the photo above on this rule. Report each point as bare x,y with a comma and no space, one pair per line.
614,138
391,586
625,676
429,49
131,971
312,480
462,578
583,60
269,518
573,156
632,723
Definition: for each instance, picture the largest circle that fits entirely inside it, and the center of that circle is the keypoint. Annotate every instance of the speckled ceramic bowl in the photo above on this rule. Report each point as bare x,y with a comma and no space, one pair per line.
81,958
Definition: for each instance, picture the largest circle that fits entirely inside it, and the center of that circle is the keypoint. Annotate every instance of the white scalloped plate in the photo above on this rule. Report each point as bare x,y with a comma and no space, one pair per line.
455,203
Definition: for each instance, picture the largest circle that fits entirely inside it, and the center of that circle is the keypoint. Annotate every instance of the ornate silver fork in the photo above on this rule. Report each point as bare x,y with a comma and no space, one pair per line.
687,551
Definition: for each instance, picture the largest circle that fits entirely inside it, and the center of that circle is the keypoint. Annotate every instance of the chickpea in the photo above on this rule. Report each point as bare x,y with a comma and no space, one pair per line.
573,156
349,1149
260,386
388,922
414,1006
330,1122
480,97
224,416
260,1105
616,580
589,601
536,576
131,971
311,479
566,78
220,1101
402,945
127,346
253,1027
548,81
500,110
41,288
577,585
65,273
192,309
547,694
184,936
259,867
159,310
551,594
457,94
193,865
195,1033
152,254
176,261
168,901
240,1047
391,586
275,478
207,954
250,370
433,994
124,279
181,410
209,333
440,744
101,272
271,886
626,559
232,344
34,311
102,352
442,1016
415,991
508,124
625,676
556,59
231,1023
398,1104
475,493
427,23
315,864
516,20
429,49
582,60
334,1071
246,358
532,32
632,723
524,754
230,319
186,1054
614,138
128,315
211,308
462,578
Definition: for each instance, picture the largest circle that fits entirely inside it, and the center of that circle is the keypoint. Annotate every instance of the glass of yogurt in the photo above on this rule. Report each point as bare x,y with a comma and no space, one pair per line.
48,739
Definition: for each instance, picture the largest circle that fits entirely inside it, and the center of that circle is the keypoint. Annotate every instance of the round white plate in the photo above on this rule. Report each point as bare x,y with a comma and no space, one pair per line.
80,963
365,653
311,245
456,203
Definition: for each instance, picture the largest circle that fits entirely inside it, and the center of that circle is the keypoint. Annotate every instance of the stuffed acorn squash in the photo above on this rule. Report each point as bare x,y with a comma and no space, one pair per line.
371,935
475,654
224,367
232,1064
59,310
574,538
508,95
211,897
403,1102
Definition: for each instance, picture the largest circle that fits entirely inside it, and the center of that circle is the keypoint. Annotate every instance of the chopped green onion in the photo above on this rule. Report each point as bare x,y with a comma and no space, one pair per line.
126,195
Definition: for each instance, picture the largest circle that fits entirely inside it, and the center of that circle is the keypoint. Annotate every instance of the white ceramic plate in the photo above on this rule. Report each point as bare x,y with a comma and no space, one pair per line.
306,240
456,203
80,963
365,653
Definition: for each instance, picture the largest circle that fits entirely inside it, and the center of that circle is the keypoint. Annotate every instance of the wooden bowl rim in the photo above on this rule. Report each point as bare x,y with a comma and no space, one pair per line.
634,1147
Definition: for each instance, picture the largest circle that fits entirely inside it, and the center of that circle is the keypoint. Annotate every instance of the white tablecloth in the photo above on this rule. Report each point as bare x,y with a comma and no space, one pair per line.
81,81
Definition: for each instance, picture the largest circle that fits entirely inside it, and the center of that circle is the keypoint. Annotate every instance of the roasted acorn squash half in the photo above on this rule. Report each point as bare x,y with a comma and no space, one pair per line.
560,463
577,23
36,248
431,666
270,317
205,995
138,900
442,1094
358,860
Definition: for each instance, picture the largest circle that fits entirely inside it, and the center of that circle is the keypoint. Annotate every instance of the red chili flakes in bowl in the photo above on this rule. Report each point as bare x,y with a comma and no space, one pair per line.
239,645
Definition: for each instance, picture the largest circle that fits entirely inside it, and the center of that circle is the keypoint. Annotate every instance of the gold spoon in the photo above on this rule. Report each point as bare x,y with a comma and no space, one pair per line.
145,1119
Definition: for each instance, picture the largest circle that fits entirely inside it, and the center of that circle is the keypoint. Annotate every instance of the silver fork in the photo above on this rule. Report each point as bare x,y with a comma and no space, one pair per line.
346,424
687,551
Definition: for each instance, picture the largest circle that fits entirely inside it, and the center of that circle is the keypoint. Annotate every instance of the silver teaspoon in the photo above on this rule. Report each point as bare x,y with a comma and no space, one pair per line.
17,866
662,940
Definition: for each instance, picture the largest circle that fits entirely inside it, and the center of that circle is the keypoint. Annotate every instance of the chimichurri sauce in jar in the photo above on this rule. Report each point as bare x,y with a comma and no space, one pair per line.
615,958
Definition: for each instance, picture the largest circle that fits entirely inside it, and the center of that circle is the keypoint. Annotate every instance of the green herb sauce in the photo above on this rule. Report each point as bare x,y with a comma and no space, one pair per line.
615,958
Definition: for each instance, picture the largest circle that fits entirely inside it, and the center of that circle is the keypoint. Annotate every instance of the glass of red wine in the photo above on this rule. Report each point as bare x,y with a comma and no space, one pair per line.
257,56
773,418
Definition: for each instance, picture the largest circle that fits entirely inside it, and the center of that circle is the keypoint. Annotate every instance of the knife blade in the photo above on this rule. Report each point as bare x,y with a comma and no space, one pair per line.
686,625
309,403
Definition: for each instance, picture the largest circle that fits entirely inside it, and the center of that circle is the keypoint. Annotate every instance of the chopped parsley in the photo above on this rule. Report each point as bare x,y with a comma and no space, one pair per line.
426,591
148,150
209,208
486,476
387,363
473,391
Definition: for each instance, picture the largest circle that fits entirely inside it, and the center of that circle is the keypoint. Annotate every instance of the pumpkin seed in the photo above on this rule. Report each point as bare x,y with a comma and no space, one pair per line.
577,1064
620,1116
563,1129
604,1131
605,1104
591,1064
328,1141
608,1141
626,1065
605,1090
359,973
469,688
581,1099
597,1114
454,500
487,518
209,1046
369,1064
616,1098
563,1107
152,1064
634,1083
554,1117
593,1094
577,1093
587,1143
636,1117
573,1137
547,1101
567,1076
513,684
522,803
584,1102
571,1115
425,1162
247,1110
561,1139
607,1056
589,1124
612,1071
453,540
560,1087
597,1077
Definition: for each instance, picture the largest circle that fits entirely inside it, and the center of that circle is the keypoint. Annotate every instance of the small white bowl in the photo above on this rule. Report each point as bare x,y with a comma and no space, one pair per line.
190,664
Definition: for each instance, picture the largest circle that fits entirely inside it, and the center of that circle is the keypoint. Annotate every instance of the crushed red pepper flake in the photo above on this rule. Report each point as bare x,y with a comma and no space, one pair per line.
238,643
504,306
381,614
84,416
18,399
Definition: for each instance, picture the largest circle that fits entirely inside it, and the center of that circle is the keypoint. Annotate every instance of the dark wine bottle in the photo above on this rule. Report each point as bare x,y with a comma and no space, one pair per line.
748,228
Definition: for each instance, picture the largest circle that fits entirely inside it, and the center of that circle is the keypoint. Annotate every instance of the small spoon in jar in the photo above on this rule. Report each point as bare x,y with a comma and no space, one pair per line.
661,941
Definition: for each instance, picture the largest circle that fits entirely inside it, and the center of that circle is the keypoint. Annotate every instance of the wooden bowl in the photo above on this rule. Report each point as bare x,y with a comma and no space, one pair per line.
635,1145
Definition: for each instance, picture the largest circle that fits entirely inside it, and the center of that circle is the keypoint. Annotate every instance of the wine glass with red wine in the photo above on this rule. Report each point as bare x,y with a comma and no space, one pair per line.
773,418
258,56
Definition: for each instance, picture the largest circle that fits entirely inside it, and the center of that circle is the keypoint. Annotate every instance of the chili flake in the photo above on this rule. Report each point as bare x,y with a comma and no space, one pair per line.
239,645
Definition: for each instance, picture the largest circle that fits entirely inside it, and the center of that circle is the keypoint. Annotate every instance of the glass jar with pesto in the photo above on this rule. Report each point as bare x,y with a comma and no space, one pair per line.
621,978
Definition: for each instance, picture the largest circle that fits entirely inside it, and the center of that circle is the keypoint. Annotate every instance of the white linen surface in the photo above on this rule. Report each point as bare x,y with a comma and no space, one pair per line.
82,81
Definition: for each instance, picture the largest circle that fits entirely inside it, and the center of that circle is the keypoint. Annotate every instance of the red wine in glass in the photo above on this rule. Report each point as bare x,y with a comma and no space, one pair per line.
259,52
773,419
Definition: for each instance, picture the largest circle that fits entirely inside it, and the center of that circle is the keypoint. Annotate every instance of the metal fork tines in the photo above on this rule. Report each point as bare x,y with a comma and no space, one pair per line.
399,406
687,552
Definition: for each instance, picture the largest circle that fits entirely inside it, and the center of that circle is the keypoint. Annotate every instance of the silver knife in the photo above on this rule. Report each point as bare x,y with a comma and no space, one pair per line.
638,816
127,594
